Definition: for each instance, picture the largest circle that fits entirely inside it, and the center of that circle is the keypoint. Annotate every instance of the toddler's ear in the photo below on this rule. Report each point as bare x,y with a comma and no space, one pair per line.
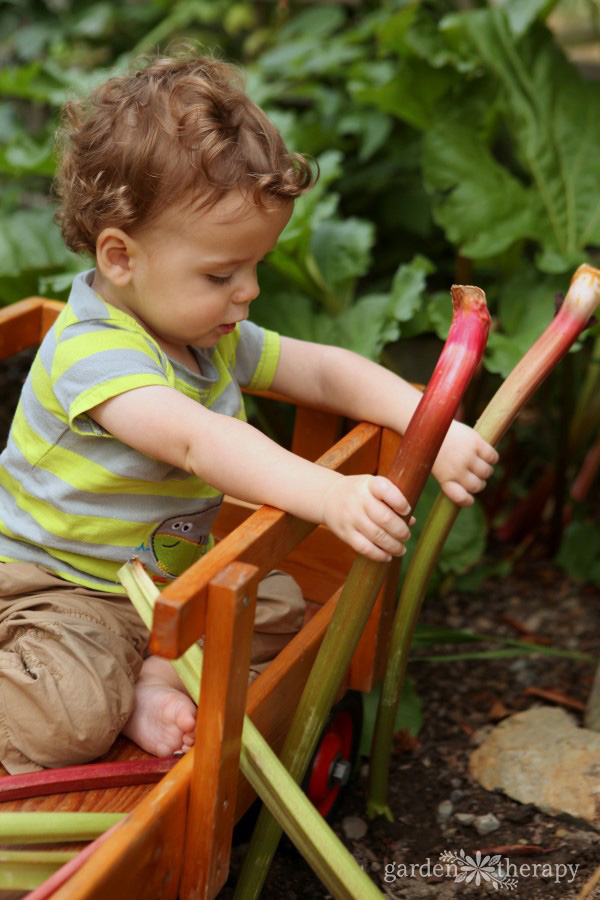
113,256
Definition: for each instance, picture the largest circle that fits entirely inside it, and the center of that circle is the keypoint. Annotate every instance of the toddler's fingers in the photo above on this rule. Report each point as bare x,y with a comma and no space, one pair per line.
384,539
481,468
472,483
365,547
382,518
383,489
487,453
457,493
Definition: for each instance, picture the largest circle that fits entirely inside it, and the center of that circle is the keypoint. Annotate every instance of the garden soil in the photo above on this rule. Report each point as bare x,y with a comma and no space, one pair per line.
430,783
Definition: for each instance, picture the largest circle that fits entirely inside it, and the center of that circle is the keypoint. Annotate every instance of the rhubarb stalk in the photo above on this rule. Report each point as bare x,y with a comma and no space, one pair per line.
56,879
582,299
22,870
54,827
84,778
409,471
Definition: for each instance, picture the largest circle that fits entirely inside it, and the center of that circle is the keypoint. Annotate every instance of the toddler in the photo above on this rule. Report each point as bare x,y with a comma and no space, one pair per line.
131,423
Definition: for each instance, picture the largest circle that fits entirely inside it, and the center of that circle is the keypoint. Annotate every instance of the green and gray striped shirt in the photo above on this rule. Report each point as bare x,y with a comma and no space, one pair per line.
80,502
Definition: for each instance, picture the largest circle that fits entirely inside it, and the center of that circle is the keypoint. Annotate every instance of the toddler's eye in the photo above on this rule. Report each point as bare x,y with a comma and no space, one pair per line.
220,279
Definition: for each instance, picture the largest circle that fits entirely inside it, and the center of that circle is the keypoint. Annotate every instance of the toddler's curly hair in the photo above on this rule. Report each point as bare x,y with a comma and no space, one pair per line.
180,129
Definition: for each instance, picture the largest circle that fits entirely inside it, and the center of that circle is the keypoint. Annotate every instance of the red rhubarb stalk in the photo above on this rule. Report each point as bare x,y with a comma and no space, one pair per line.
62,875
409,471
579,305
84,778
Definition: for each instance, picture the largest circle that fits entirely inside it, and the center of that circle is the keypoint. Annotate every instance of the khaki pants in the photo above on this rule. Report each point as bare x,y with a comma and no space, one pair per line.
70,656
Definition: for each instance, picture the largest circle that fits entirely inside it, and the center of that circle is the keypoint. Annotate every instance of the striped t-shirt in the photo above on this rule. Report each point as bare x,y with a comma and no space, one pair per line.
77,500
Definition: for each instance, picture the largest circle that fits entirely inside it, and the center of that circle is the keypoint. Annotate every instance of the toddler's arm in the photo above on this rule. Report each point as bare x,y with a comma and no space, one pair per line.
354,386
235,458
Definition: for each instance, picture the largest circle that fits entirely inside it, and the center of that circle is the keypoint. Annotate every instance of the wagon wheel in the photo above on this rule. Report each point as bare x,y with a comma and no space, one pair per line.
336,754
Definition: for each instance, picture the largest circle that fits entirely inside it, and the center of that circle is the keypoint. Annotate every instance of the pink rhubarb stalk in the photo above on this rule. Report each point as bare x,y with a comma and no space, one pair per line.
85,778
410,469
583,297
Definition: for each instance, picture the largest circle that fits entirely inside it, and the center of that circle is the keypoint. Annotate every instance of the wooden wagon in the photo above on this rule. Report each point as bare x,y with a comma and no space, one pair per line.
176,841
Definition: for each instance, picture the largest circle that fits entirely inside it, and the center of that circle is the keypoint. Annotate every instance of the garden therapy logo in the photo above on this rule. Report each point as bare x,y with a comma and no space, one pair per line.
479,870
489,871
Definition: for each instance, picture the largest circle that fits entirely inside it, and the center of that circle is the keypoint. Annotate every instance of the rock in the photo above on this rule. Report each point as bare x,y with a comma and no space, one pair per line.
444,811
465,818
354,828
487,823
456,795
542,757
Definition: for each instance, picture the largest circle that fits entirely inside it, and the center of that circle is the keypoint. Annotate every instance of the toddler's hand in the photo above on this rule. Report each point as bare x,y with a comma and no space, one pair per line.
464,464
364,511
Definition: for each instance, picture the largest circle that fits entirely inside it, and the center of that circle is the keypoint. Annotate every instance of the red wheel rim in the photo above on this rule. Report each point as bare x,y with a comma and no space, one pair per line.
335,743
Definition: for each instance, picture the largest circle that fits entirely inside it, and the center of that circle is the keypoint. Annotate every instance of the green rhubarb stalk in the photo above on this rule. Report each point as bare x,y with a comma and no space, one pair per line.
409,470
23,870
54,827
313,837
582,299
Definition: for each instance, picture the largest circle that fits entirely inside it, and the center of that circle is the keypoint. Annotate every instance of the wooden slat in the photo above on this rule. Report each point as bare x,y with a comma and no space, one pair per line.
50,313
319,564
20,326
274,696
264,539
314,432
143,857
230,623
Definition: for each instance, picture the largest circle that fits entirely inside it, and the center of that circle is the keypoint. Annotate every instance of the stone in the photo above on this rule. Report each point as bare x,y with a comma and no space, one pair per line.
465,818
354,828
444,811
541,756
487,823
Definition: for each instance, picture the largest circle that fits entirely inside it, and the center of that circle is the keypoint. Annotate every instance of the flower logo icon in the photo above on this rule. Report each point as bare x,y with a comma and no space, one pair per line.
478,870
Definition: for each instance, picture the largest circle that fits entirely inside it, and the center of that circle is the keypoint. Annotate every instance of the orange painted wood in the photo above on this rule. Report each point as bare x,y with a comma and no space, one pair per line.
20,325
117,799
319,564
51,310
230,623
314,432
143,858
262,540
274,696
368,662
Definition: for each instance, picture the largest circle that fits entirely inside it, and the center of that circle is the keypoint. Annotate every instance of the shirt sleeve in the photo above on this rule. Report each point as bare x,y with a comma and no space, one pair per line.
92,365
257,355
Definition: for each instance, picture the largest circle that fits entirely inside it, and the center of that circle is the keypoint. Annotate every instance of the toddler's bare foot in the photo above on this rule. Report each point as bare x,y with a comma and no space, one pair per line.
164,717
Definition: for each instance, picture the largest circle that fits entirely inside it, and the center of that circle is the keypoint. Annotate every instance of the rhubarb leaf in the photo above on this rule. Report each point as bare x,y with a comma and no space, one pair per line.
547,191
466,542
579,554
525,307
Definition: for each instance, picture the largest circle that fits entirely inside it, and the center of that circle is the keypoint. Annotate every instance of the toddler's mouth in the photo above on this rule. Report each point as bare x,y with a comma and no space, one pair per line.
227,329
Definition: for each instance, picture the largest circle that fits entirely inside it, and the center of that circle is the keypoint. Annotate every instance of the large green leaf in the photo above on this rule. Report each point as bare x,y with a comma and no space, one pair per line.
579,554
342,249
31,247
526,305
549,191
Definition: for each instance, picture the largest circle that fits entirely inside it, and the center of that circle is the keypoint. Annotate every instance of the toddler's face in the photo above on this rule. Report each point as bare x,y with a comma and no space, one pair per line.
193,274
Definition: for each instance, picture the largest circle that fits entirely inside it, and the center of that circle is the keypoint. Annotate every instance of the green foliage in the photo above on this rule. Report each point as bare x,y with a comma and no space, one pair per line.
579,553
408,716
